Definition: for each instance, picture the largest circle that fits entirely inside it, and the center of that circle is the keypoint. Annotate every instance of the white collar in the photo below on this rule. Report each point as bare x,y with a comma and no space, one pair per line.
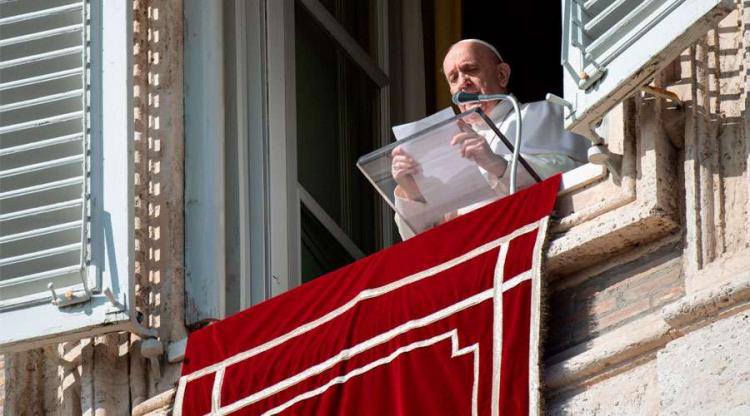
499,113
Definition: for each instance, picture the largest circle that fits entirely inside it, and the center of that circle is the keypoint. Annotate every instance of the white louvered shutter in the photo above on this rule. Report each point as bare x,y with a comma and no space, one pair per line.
611,47
43,141
66,170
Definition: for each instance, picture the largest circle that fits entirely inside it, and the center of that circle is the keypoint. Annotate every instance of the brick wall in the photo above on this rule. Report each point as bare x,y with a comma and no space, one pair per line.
610,299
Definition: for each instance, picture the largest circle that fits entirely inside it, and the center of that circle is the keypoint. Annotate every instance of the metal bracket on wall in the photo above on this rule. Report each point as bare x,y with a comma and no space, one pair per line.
662,93
153,349
598,153
151,346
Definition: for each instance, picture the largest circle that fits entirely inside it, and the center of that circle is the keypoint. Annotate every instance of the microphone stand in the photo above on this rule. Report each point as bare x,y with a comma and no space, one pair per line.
465,98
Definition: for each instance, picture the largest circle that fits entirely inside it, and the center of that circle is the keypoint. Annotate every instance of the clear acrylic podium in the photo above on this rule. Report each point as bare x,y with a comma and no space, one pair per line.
448,182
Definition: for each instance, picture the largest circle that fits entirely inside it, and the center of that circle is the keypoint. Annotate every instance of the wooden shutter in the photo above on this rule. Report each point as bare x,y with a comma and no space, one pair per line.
612,47
43,141
66,170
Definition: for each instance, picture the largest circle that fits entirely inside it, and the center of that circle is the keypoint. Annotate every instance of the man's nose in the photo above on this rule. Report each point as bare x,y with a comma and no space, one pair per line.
463,81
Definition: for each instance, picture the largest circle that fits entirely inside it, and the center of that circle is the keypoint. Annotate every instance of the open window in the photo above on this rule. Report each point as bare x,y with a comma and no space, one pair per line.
66,171
275,198
280,192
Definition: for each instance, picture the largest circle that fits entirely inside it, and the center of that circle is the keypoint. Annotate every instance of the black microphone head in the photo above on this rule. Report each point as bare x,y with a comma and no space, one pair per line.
464,97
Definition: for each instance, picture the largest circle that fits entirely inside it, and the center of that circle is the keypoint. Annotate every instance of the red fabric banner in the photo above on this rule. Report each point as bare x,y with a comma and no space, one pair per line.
446,323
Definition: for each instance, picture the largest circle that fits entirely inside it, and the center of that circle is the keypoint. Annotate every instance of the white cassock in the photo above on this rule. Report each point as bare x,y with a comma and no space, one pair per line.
545,145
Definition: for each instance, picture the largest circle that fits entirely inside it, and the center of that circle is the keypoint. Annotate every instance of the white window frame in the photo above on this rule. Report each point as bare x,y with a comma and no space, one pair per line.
204,162
286,192
112,221
264,222
263,46
87,274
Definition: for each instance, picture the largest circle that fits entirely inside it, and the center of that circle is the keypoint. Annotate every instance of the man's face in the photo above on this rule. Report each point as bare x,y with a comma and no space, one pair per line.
471,67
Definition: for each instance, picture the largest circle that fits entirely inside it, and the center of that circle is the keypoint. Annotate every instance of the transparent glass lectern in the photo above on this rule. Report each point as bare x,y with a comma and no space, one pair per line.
447,183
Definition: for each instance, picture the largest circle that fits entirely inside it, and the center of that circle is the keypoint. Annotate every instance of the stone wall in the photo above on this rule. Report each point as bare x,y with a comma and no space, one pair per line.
707,371
663,327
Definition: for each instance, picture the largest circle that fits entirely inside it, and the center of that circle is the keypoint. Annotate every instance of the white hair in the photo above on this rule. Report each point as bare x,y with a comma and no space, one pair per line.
481,42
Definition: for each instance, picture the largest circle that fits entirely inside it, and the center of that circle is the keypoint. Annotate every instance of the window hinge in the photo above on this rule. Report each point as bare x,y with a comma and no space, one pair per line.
598,153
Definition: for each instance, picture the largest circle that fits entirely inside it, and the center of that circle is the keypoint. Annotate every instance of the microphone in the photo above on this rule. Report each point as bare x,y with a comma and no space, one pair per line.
464,97
468,97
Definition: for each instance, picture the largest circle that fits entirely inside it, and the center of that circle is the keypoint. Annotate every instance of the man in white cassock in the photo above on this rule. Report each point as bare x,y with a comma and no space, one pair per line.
475,66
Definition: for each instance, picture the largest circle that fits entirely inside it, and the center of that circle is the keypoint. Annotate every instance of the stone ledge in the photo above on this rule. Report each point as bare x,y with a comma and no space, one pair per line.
646,334
161,404
707,303
608,235
608,350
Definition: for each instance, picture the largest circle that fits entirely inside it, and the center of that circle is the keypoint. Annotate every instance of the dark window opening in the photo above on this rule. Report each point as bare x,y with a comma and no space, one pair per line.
530,44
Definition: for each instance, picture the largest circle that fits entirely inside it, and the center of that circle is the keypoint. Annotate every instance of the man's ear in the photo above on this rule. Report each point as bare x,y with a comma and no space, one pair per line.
503,74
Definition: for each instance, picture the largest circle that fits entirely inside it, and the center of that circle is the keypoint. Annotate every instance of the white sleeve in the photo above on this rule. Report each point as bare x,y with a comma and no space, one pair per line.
413,217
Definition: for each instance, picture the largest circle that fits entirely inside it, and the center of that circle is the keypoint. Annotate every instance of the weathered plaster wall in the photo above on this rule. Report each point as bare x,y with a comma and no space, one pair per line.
707,372
159,179
633,392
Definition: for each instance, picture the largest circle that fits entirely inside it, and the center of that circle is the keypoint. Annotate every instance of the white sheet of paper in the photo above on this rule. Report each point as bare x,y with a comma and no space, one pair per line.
405,130
447,181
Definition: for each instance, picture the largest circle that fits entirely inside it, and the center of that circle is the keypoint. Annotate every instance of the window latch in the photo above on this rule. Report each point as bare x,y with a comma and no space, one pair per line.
591,74
70,297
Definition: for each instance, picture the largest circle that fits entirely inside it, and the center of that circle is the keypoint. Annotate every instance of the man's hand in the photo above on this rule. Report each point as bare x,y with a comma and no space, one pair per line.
403,169
476,148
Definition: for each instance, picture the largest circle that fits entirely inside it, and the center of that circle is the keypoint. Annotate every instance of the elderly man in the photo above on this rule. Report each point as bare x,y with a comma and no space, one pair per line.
475,66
